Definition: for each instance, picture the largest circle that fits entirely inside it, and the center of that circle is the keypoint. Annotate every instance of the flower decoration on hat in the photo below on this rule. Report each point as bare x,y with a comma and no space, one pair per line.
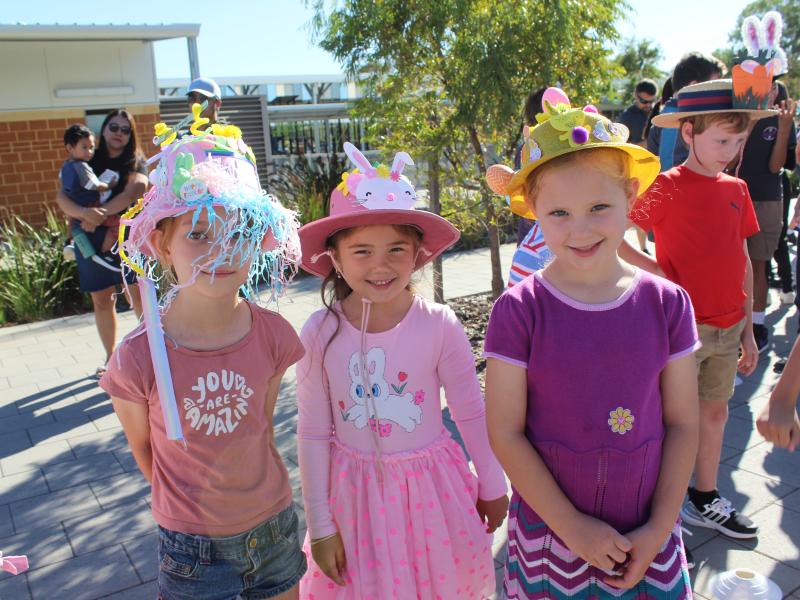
378,186
562,129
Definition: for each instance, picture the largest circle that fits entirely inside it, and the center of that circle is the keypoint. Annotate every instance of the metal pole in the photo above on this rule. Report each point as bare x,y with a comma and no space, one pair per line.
267,132
194,60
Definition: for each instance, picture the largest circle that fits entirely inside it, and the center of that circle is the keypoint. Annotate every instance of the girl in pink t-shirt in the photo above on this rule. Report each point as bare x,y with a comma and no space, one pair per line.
393,510
220,493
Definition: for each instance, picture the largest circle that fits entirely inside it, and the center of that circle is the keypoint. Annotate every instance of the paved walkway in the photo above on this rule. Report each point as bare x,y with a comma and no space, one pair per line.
72,498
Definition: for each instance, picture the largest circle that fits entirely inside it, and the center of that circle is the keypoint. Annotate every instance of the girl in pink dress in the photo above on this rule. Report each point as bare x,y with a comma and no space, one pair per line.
393,510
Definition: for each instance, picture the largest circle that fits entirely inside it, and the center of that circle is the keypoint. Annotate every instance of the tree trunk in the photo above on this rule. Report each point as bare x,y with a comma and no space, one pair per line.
436,207
491,221
494,249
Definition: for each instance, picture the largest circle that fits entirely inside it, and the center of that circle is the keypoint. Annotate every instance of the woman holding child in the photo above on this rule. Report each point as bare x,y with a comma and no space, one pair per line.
117,151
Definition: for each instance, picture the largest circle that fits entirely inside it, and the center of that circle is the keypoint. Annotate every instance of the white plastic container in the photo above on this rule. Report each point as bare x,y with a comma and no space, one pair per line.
744,584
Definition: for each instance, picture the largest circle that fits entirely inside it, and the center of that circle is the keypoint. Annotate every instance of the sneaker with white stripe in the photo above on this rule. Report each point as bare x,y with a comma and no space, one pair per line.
719,515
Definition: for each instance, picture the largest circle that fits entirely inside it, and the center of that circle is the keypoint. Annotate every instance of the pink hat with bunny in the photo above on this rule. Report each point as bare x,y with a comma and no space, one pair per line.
374,195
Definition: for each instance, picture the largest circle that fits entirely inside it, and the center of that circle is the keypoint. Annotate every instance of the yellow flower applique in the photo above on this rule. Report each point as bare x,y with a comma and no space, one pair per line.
620,420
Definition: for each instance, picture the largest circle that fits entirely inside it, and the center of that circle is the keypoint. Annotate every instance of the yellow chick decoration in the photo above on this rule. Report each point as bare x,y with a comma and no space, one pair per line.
198,120
165,135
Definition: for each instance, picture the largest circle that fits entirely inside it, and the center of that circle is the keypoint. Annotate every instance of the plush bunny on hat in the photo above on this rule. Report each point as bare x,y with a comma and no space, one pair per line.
374,195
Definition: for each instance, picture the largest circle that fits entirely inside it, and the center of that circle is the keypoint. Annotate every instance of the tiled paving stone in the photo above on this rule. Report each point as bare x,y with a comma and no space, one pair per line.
143,552
32,458
22,485
120,489
98,530
82,470
15,588
52,508
42,546
85,577
61,430
721,554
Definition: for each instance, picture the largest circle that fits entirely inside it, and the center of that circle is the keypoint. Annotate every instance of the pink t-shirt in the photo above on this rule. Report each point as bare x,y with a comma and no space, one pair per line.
408,363
230,478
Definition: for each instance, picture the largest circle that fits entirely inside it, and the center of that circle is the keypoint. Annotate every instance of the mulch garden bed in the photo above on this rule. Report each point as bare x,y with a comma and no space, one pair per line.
473,312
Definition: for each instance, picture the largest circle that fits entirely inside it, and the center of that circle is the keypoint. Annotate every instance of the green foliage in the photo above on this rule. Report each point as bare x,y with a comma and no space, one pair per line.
447,80
462,208
790,41
637,60
305,185
35,281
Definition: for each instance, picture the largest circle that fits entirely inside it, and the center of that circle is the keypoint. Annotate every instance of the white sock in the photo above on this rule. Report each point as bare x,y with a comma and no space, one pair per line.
758,318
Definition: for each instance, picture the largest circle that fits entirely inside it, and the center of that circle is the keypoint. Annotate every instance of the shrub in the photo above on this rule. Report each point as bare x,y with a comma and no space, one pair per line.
464,209
36,282
305,184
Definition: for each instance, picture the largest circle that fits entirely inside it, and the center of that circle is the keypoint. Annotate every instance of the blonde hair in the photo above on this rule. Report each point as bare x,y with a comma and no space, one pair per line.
611,161
167,228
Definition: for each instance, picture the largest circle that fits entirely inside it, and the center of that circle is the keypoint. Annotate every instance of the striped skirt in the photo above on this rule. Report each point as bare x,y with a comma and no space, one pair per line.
540,566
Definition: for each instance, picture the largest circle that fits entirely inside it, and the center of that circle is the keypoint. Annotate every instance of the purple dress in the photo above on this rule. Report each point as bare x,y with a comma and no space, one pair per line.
594,416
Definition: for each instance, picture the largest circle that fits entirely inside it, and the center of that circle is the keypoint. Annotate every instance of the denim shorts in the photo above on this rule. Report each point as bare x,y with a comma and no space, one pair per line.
261,563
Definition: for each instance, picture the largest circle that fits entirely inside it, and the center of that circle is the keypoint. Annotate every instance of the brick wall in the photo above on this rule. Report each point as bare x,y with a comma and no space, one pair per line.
31,158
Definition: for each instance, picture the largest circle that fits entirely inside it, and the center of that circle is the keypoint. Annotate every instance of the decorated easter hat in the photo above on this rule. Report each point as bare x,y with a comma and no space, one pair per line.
197,173
562,130
374,195
762,41
745,93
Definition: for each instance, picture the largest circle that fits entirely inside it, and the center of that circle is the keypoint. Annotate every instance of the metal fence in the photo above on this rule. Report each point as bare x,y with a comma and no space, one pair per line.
315,136
277,137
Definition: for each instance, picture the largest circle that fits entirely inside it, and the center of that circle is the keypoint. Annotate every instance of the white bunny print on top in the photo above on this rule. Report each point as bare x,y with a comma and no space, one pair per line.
763,36
371,397
377,188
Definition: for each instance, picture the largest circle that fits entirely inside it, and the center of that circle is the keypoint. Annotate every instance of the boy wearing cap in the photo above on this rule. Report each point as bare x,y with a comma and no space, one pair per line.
702,218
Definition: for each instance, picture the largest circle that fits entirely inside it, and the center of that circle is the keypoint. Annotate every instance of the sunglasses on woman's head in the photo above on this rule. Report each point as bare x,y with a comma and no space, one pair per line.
115,128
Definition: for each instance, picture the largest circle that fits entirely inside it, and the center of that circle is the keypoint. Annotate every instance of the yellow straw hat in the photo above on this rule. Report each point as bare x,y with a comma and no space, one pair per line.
561,130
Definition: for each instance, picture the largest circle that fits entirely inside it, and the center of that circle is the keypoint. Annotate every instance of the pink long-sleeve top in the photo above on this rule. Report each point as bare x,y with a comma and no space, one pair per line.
406,367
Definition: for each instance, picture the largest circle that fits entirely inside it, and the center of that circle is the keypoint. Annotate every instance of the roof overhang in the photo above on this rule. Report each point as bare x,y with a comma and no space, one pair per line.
82,33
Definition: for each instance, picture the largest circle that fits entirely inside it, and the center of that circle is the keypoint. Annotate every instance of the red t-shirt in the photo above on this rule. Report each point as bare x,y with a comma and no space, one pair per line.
230,477
700,224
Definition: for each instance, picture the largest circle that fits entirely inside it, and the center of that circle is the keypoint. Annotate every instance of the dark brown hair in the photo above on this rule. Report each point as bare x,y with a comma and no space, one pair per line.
130,154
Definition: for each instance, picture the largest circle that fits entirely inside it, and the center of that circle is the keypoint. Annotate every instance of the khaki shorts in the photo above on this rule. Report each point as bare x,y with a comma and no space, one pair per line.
717,360
762,245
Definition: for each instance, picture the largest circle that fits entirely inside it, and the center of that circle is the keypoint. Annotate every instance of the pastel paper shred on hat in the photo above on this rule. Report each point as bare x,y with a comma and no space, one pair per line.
196,174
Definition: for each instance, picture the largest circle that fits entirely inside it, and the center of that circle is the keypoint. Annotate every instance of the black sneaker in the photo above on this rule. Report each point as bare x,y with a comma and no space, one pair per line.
762,338
719,515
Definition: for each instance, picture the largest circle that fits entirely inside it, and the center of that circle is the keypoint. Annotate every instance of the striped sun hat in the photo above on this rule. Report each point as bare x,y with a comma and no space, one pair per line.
709,97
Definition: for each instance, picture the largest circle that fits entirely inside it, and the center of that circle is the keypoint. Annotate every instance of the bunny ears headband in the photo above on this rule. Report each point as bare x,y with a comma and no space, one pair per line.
373,195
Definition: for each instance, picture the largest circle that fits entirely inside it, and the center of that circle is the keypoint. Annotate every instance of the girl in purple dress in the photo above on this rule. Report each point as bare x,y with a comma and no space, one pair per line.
591,383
